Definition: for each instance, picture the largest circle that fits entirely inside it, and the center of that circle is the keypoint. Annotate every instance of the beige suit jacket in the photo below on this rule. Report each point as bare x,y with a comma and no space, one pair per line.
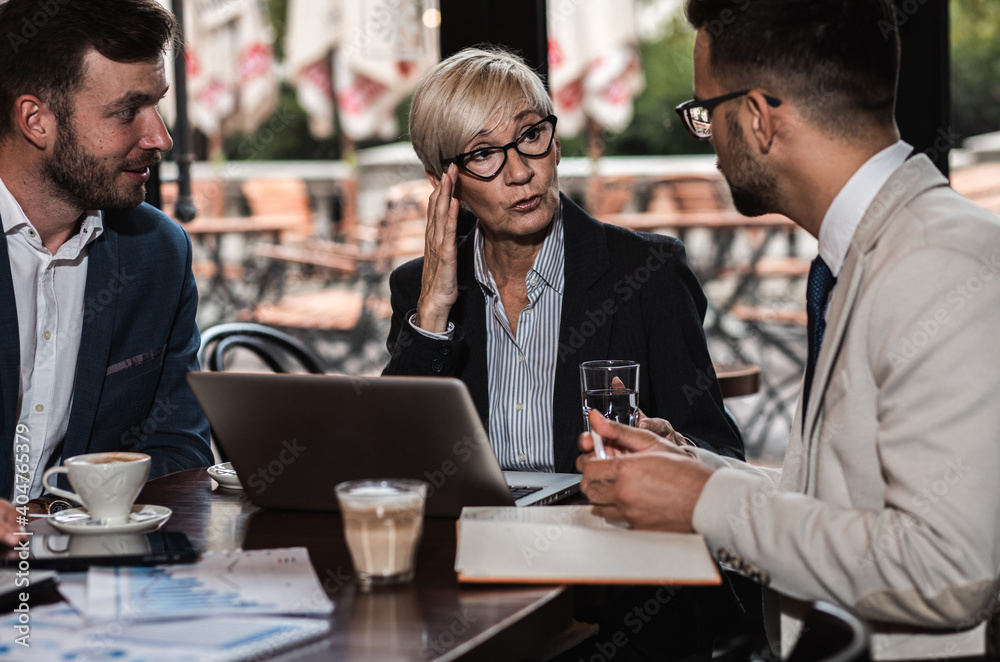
889,502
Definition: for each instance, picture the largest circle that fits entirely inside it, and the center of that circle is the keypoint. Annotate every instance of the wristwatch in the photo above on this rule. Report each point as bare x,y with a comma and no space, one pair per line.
57,506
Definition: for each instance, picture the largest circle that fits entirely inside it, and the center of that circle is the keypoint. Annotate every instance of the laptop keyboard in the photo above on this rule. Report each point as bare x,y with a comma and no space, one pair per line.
521,491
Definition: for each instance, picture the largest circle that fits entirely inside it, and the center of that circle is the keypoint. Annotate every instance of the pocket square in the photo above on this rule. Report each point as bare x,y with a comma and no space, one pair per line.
134,361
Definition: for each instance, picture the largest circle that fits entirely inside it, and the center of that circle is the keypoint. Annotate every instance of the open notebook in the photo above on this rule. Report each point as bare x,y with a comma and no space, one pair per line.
291,438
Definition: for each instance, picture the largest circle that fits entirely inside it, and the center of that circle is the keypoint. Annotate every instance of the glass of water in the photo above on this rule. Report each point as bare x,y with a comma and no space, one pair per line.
612,388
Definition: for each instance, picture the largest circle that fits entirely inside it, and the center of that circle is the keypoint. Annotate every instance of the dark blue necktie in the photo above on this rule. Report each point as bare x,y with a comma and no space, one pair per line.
821,281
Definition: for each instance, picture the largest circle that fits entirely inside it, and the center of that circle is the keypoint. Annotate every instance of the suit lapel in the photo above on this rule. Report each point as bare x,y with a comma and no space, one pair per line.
839,314
580,338
470,307
915,176
10,363
95,339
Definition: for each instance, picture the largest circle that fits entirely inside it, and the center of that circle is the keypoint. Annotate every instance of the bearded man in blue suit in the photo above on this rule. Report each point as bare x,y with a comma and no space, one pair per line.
97,298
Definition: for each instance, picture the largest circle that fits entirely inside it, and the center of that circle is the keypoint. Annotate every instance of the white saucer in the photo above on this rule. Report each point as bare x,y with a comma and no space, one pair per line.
143,519
225,475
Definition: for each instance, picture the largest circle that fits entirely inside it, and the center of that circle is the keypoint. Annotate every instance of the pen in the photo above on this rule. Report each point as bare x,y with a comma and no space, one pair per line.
598,446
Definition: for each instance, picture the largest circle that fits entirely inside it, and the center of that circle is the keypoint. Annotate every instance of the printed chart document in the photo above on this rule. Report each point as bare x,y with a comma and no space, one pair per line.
230,606
570,544
58,632
264,581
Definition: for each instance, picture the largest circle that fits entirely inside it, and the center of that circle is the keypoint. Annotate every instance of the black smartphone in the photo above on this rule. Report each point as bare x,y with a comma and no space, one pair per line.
60,551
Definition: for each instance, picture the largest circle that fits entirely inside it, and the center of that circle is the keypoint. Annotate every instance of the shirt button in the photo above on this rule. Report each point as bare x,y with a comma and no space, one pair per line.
521,457
444,351
39,408
437,366
31,232
47,335
533,282
519,406
527,311
520,358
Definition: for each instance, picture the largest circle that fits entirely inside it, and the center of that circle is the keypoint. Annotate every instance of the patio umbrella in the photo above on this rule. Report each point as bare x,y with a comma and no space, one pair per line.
594,69
361,58
232,76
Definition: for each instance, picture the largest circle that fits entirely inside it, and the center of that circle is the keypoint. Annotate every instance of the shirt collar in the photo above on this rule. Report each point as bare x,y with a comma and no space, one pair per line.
14,219
850,205
549,263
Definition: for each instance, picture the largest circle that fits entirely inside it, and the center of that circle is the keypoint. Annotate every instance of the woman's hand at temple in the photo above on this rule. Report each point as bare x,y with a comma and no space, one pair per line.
439,281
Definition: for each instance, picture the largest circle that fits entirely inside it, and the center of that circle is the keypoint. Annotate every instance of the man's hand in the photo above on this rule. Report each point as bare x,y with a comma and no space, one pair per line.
439,281
620,439
9,526
647,482
663,428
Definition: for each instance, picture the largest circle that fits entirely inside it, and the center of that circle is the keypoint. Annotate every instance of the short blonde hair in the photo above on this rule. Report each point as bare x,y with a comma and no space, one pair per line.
460,96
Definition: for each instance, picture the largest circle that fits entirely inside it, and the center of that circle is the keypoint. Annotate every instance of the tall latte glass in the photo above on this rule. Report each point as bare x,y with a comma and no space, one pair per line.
383,522
107,484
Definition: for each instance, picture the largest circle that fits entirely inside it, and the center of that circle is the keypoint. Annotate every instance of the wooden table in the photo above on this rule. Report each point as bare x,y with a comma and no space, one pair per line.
209,232
737,379
434,618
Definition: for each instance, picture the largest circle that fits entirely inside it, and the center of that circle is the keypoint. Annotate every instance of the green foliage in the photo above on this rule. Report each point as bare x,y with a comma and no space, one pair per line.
655,127
975,66
285,137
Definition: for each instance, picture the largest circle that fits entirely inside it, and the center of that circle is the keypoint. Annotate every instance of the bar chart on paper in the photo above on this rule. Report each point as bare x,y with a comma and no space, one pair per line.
271,581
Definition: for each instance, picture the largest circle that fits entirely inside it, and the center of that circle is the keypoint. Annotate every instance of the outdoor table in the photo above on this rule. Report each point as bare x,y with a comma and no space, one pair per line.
209,232
432,618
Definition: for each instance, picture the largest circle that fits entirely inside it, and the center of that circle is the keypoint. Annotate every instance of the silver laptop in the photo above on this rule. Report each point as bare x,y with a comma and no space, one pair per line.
291,438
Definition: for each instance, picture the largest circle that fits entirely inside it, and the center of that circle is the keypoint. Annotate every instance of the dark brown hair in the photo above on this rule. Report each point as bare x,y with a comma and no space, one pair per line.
44,43
838,59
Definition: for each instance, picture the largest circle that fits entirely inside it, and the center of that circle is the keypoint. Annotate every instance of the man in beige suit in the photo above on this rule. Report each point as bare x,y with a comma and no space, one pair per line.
888,502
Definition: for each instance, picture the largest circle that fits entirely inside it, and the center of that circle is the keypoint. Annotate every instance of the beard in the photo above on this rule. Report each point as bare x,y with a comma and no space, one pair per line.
754,189
88,182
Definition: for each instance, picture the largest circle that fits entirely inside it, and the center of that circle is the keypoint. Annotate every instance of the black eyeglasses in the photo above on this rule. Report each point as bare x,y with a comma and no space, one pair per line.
487,162
697,115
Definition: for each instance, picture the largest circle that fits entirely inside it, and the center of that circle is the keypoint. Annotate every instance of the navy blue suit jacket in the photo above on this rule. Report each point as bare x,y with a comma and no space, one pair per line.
627,296
139,340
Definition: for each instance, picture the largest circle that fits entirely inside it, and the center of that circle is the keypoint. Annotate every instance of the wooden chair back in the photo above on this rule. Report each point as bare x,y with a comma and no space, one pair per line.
209,197
687,193
286,197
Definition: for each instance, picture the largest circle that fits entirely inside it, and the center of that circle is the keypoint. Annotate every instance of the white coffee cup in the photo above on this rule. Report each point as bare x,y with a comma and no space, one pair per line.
107,484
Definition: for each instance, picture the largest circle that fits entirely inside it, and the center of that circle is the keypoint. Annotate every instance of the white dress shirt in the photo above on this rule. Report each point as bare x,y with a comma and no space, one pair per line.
522,368
848,208
49,293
